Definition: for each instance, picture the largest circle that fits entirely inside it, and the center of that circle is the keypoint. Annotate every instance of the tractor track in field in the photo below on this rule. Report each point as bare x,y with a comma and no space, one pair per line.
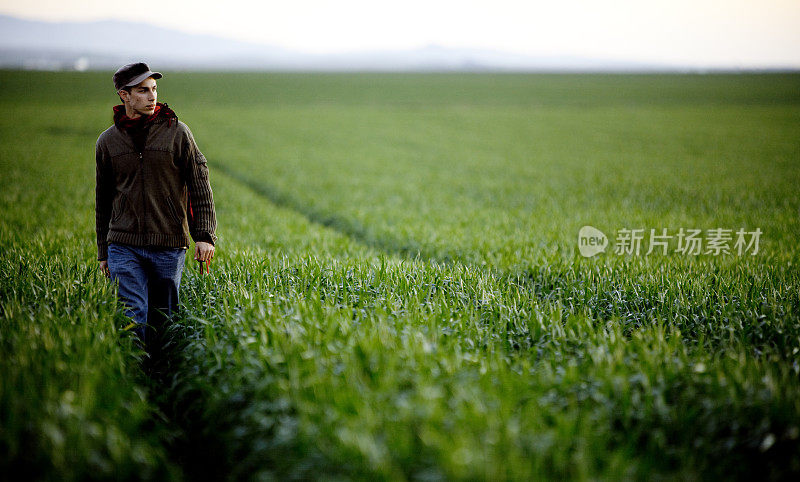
347,227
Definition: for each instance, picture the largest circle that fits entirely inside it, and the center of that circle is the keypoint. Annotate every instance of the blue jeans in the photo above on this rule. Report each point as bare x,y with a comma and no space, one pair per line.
149,279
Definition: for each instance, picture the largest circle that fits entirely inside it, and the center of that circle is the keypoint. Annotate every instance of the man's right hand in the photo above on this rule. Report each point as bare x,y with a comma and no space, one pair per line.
104,268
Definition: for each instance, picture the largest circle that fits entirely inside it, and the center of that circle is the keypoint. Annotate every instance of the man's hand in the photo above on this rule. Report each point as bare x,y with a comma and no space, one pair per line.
104,268
203,251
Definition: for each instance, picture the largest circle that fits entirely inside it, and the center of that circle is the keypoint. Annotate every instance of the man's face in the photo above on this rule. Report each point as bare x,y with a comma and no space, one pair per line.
142,97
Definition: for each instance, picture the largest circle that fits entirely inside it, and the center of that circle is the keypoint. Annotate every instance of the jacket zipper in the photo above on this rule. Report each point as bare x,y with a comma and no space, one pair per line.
144,200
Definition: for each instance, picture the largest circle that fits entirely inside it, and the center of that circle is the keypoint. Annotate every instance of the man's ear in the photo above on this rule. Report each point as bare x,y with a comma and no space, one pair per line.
124,95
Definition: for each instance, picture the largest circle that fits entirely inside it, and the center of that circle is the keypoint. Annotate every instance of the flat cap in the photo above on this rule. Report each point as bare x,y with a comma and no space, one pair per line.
131,74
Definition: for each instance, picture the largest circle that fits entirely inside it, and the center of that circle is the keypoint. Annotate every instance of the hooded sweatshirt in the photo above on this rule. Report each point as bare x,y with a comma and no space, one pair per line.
152,184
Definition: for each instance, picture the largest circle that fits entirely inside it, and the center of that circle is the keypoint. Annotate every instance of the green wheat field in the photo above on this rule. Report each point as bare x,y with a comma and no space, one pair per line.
398,292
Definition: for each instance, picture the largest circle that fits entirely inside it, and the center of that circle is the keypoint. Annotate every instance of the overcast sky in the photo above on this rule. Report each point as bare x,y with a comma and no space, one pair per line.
703,33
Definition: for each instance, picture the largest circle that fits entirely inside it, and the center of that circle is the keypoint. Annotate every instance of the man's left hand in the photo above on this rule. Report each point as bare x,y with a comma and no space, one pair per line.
203,251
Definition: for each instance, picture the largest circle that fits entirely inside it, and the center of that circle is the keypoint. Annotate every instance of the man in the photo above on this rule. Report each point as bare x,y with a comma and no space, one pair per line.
152,194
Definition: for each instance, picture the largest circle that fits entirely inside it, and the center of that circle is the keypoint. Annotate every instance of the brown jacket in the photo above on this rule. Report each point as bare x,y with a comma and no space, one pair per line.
143,193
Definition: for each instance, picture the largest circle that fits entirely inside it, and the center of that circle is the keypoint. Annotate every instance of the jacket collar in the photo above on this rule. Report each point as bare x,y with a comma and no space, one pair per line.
162,113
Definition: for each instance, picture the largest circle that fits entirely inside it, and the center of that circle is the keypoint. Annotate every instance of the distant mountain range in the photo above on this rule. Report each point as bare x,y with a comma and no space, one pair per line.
30,44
